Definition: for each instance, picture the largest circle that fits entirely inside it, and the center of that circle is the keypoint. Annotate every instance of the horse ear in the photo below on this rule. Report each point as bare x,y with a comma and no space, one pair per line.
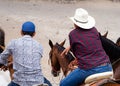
62,43
105,35
50,43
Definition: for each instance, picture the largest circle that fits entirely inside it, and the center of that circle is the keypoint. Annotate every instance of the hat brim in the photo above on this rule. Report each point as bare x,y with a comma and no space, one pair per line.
87,25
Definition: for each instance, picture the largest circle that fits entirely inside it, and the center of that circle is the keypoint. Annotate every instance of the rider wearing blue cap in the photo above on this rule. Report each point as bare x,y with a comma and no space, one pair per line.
28,27
27,54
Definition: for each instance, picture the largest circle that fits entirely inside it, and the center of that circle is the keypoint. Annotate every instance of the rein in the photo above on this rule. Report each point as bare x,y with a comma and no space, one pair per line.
116,61
2,47
54,69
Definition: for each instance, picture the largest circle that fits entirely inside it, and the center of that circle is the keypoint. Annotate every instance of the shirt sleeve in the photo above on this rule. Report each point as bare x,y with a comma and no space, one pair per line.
6,53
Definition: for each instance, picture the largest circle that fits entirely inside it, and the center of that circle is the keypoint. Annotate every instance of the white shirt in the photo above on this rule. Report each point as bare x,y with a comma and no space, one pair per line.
27,54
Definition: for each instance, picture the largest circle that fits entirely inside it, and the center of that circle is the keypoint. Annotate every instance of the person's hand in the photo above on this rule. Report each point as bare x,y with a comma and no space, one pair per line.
3,67
65,51
73,65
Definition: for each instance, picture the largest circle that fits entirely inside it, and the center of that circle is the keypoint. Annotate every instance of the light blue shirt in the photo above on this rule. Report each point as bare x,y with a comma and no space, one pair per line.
27,54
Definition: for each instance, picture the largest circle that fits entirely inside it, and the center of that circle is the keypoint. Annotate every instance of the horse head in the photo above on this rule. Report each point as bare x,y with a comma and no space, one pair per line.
57,61
53,56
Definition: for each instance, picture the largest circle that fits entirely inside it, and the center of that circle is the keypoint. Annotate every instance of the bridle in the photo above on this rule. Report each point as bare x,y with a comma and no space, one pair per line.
116,61
55,70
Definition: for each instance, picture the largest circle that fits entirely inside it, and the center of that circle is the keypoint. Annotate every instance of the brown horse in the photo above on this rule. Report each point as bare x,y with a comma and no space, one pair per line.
58,62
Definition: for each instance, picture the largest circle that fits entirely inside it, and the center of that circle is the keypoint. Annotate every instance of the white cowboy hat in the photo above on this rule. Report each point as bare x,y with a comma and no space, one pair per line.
83,19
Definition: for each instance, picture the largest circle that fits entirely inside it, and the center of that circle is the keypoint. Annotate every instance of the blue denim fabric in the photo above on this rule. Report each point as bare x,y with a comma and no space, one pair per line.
77,77
13,84
45,81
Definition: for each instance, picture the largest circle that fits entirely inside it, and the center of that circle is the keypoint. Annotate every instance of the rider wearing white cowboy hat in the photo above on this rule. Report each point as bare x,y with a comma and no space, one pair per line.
83,19
86,46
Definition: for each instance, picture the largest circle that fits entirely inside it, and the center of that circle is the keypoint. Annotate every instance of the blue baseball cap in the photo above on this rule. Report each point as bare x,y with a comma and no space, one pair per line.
28,27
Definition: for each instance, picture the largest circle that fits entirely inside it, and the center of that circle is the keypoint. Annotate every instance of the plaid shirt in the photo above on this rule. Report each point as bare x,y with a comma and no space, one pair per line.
27,54
87,47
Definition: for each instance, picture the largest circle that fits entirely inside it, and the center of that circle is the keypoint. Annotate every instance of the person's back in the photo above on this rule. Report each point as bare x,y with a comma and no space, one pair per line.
88,43
26,59
27,54
86,46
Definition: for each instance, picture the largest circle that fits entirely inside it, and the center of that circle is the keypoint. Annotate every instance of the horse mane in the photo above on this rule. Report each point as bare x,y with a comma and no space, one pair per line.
111,49
118,40
2,39
68,56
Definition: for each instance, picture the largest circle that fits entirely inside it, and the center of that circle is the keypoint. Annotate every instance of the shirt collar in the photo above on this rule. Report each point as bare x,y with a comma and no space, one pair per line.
27,36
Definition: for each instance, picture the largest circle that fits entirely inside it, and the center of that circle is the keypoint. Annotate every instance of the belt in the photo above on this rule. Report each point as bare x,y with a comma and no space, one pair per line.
104,64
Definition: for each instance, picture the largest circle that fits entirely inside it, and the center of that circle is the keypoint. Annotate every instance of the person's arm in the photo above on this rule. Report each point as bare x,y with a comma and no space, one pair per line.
65,51
3,61
73,64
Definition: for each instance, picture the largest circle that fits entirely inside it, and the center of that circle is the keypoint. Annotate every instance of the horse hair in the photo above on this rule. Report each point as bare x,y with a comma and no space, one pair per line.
111,49
68,56
2,39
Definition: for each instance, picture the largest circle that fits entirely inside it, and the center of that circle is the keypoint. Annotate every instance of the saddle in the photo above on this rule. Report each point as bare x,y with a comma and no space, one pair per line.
98,77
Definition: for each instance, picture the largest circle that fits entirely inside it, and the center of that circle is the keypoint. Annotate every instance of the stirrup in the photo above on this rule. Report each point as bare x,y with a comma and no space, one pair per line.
41,84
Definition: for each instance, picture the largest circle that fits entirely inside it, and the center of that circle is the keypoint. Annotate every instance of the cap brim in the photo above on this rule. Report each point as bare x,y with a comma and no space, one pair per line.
88,25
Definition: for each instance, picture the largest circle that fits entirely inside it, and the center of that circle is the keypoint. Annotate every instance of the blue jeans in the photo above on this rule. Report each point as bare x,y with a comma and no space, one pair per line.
45,81
13,84
77,77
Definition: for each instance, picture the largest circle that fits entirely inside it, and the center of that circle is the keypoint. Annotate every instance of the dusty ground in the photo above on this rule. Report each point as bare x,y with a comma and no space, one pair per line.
52,21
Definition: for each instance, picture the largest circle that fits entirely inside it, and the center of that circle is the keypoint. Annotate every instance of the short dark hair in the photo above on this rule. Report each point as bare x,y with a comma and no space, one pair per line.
28,33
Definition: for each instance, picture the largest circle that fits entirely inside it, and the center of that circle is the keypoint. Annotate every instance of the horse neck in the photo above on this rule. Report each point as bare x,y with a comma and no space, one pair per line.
63,61
69,57
2,39
116,70
112,50
116,64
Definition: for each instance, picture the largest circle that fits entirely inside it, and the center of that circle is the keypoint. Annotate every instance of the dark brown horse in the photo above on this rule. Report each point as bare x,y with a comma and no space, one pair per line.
58,62
2,47
2,39
118,42
113,51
